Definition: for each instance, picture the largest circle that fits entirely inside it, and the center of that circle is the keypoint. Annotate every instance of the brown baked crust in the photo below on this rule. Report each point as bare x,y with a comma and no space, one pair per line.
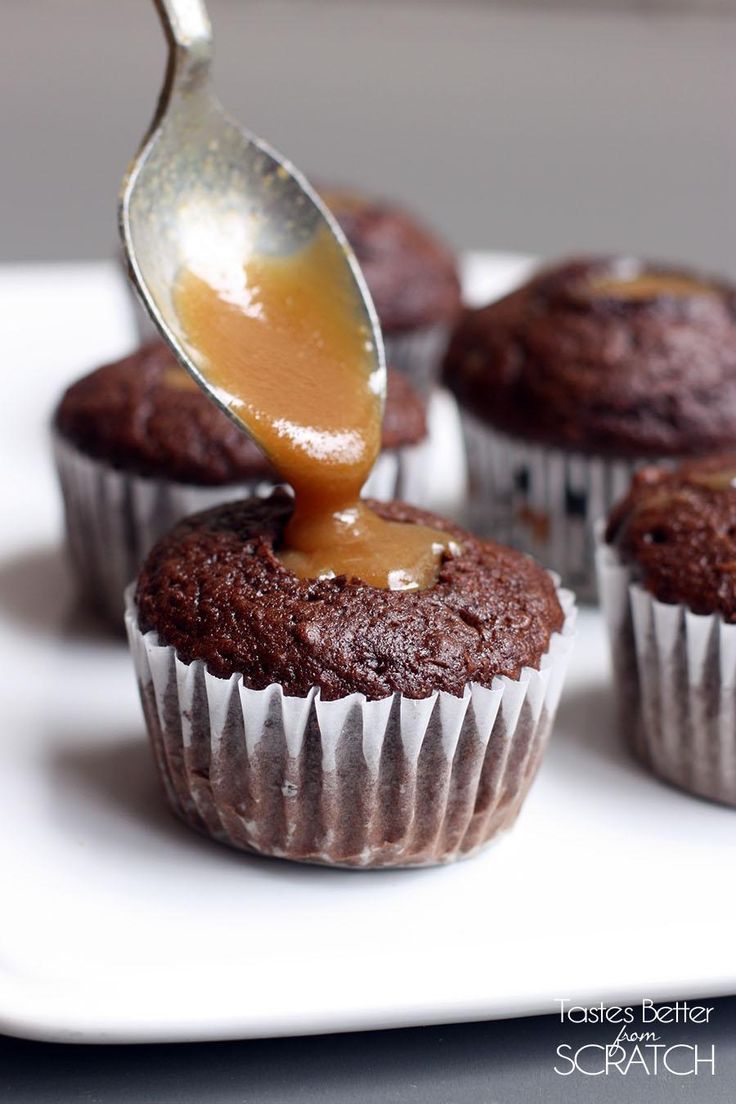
411,274
646,377
132,415
215,590
677,531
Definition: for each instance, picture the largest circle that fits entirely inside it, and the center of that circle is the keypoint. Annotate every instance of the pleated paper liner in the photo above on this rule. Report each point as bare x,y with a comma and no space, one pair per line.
351,782
542,500
675,673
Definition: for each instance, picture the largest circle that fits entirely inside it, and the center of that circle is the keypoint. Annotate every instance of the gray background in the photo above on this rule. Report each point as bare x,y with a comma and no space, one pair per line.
542,127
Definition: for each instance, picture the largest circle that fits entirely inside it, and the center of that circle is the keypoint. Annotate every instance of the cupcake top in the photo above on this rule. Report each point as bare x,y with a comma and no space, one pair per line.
677,531
215,589
412,275
606,355
144,414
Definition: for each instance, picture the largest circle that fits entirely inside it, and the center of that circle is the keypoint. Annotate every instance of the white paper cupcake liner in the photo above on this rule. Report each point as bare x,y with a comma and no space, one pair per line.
542,500
352,782
676,676
113,518
418,354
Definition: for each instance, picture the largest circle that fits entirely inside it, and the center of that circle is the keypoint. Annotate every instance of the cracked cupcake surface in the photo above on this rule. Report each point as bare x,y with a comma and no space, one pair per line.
215,590
676,530
605,356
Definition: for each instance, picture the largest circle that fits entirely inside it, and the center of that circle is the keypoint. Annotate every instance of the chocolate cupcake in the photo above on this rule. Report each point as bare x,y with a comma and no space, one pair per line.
568,383
329,721
412,277
138,446
667,577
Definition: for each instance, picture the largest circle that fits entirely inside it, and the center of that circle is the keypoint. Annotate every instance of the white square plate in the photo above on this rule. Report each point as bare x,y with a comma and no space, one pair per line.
118,924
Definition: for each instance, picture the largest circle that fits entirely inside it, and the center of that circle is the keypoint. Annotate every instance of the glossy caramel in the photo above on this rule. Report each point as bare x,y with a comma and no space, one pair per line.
356,542
288,356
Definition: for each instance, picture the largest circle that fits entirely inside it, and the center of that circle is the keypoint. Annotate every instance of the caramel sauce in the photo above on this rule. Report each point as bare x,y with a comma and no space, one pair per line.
647,285
357,542
285,352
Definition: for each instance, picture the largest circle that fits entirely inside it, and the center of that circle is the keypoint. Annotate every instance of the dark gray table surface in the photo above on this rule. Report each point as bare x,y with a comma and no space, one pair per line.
503,1062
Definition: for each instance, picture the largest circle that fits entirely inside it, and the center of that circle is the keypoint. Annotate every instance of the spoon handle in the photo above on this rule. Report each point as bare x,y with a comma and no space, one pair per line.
189,34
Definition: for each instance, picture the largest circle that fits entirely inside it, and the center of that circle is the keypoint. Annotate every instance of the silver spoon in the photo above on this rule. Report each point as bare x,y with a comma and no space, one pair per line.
203,193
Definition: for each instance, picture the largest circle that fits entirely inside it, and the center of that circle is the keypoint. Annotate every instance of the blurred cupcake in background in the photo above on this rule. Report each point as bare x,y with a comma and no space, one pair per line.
138,446
412,277
667,579
568,383
331,721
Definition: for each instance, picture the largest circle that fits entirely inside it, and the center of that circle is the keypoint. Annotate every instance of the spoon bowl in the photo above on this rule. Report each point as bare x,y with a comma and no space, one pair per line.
205,195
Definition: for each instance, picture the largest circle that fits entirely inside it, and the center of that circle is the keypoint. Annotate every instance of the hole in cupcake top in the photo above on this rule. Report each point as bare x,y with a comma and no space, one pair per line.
391,555
282,346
